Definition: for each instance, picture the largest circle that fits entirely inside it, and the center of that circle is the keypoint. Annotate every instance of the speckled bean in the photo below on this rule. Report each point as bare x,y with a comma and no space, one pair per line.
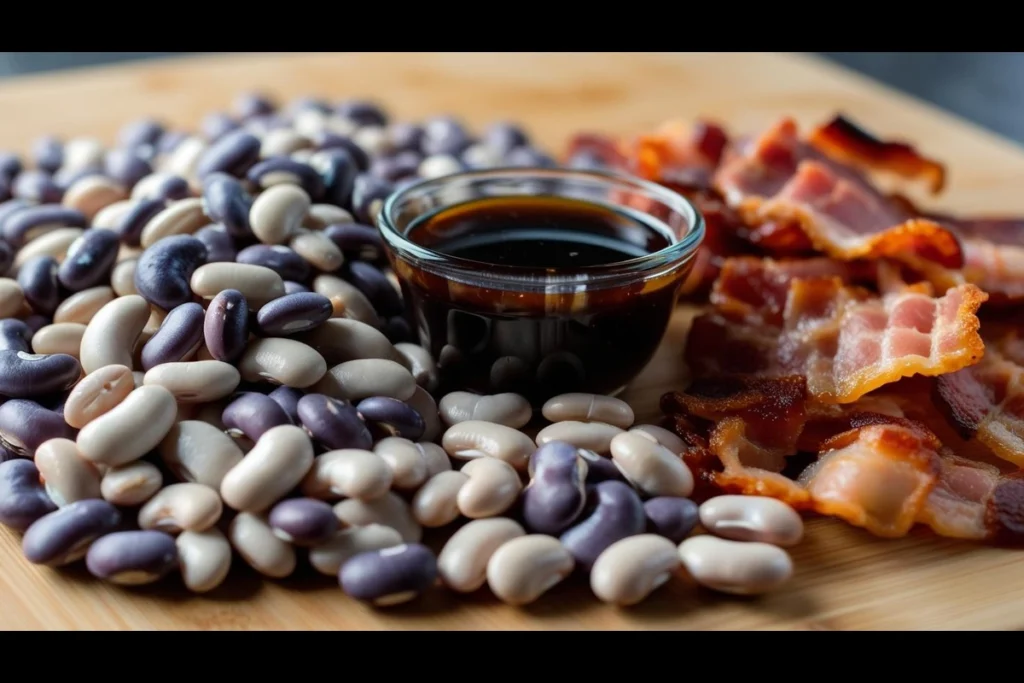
661,435
511,410
132,484
38,281
340,340
424,404
525,567
435,504
259,285
477,439
66,476
673,518
198,381
752,518
303,521
348,302
556,494
650,467
130,429
64,536
225,201
165,270
181,217
181,507
132,558
355,380
204,559
348,473
25,425
252,414
389,510
588,408
24,375
226,325
331,555
178,337
734,566
22,497
631,569
406,460
613,513
255,541
293,313
278,212
195,451
282,361
81,306
592,436
276,464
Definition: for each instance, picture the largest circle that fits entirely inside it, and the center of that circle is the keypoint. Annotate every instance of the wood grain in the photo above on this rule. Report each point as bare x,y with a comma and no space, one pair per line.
845,578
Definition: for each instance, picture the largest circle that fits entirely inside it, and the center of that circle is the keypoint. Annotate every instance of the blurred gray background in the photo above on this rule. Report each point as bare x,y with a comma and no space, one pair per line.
984,87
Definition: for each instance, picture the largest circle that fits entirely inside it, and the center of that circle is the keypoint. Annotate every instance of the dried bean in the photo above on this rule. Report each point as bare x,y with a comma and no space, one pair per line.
735,567
82,306
389,576
662,436
255,541
511,410
182,217
477,439
25,375
204,558
25,425
525,567
492,488
97,394
165,270
588,408
278,212
259,285
651,467
226,202
252,414
58,338
38,281
752,518
199,381
233,153
399,418
293,314
131,429
347,300
226,325
220,246
15,335
615,512
673,518
358,379
281,170
279,258
132,558
22,497
303,521
181,507
132,484
331,555
130,222
276,464
66,475
340,340
389,510
29,222
435,504
357,241
556,494
631,569
64,536
179,336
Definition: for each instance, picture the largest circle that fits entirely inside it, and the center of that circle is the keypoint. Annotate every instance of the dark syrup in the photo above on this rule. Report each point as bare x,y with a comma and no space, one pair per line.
492,340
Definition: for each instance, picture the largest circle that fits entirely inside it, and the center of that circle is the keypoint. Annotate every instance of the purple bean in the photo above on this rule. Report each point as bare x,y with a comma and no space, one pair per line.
24,425
615,512
89,260
400,418
309,179
368,192
444,135
291,287
10,165
375,285
65,177
36,186
503,137
396,166
163,272
130,225
169,187
6,256
305,102
303,521
216,125
132,558
398,330
36,322
252,414
179,335
338,170
333,141
5,189
226,327
294,313
19,226
23,497
528,157
673,518
140,133
126,166
362,112
37,278
48,153
406,136
225,201
288,399
10,207
220,247
170,140
600,468
252,104
233,154
279,258
358,241
333,423
556,494
64,535
15,335
389,576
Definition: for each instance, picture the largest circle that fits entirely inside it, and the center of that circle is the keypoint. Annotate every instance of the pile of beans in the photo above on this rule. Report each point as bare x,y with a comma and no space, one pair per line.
203,354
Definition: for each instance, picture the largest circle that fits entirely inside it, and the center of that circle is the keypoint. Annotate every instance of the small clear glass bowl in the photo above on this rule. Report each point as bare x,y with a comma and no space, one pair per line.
496,328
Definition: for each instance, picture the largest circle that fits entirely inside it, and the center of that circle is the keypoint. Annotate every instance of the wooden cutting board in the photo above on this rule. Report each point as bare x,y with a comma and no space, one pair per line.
845,578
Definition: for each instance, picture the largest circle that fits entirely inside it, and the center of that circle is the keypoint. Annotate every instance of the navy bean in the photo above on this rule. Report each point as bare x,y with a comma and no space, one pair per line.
233,153
226,327
528,157
23,497
389,576
375,285
216,125
556,494
252,414
368,194
291,287
600,468
503,137
294,313
32,221
220,247
357,241
362,112
673,518
10,165
615,512
126,166
178,336
262,175
132,558
406,136
6,256
37,278
396,166
24,375
288,399
338,169
400,418
165,186
303,521
129,226
15,335
25,425
140,133
444,135
333,423
279,258
36,186
48,153
252,104
89,260
225,201
163,271
64,535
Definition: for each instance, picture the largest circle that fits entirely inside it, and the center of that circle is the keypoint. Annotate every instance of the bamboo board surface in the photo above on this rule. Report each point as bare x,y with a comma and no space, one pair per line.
845,578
